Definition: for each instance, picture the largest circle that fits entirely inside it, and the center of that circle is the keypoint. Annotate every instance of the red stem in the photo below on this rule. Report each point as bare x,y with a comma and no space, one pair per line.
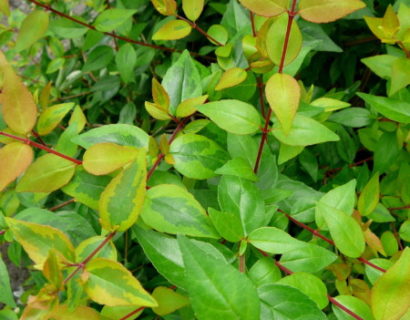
40,146
89,257
132,313
112,34
265,131
400,208
252,17
341,306
2,232
200,30
61,205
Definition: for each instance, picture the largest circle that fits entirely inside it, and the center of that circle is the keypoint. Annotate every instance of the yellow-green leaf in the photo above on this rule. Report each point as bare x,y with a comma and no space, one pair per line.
168,301
400,77
110,283
37,240
266,8
47,174
192,8
4,7
390,298
369,198
86,247
173,30
14,160
104,158
18,107
51,117
323,11
78,118
156,111
188,106
159,95
329,104
231,78
33,28
385,28
283,94
121,201
165,7
275,40
65,312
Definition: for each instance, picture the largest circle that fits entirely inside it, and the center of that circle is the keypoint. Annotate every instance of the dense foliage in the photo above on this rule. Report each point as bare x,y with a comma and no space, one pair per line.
207,160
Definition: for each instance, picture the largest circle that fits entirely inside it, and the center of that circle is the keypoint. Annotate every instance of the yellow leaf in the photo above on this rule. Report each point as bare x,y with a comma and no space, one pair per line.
33,28
188,106
4,7
104,158
329,104
323,11
159,95
168,301
192,8
14,160
266,8
385,28
64,312
121,201
173,30
78,118
51,117
109,282
156,111
165,7
283,94
19,109
231,78
37,240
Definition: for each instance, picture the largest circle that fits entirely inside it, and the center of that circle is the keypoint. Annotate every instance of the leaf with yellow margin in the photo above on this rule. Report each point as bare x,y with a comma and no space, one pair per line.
173,30
51,117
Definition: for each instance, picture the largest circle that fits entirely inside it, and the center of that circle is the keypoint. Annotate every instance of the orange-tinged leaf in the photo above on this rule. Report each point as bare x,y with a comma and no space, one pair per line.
37,240
121,201
104,158
275,39
193,8
109,282
18,107
51,117
159,95
231,78
373,241
14,160
33,28
47,174
266,8
283,94
323,11
385,28
173,30
391,293
188,106
168,300
165,7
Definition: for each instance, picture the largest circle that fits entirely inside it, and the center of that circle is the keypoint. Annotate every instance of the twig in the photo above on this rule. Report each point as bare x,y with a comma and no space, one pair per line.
200,30
132,313
61,205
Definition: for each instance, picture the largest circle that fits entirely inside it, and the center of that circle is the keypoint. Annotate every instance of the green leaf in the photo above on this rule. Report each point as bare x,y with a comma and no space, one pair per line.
164,253
6,295
274,240
345,231
400,77
373,274
197,157
308,284
52,116
217,290
33,28
98,58
233,116
323,11
283,302
86,188
283,94
369,198
266,8
352,117
67,29
47,174
242,198
168,301
230,78
229,225
104,158
173,30
111,19
122,200
264,271
193,8
393,109
110,283
304,132
37,240
238,167
182,81
359,307
275,39
381,64
86,247
122,134
171,209
311,258
391,292
404,231
126,59
4,7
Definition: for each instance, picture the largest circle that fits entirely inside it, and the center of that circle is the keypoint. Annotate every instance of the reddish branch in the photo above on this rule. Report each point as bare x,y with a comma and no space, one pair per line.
61,205
132,313
2,232
400,208
330,241
112,34
200,30
265,130
40,146
342,307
